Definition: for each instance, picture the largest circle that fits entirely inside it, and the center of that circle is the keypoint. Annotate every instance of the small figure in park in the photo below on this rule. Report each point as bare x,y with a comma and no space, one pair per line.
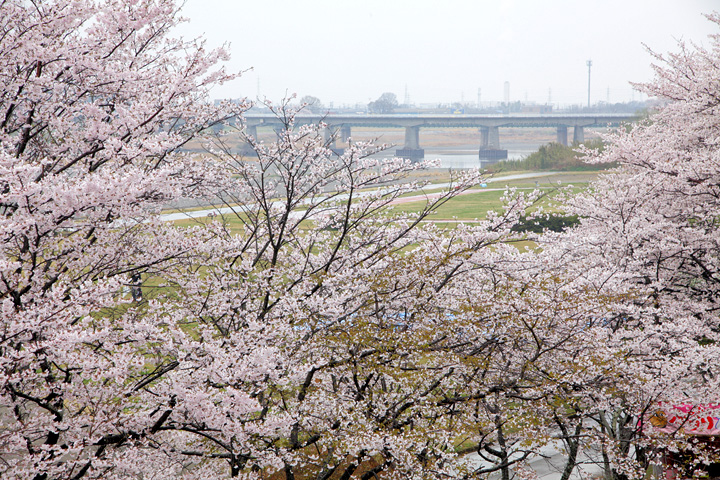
135,289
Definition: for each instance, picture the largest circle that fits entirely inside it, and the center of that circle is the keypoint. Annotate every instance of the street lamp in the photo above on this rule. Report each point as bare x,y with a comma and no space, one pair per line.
589,64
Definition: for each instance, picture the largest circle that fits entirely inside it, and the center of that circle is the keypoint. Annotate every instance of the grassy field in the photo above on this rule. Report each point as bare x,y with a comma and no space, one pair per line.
475,205
472,206
468,207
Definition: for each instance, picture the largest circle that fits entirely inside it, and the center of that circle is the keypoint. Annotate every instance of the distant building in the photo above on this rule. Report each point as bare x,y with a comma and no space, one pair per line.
540,109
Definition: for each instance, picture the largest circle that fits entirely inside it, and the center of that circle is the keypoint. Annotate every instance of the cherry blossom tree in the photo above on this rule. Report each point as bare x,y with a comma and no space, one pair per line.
95,100
649,234
354,308
307,342
315,331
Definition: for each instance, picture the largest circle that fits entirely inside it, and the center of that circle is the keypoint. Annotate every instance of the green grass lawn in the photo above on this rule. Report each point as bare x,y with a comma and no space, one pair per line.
470,206
466,207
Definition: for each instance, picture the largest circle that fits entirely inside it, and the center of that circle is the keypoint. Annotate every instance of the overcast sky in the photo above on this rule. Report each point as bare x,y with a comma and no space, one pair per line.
442,51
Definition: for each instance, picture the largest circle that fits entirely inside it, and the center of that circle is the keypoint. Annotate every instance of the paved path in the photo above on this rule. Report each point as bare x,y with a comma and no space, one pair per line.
549,464
169,217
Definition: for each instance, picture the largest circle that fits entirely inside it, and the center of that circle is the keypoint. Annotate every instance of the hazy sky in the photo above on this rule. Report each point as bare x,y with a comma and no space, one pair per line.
351,51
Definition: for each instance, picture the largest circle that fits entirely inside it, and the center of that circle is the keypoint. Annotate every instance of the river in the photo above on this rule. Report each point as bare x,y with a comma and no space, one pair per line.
466,157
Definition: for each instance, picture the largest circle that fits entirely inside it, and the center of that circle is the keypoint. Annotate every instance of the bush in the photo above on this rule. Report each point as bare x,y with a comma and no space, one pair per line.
554,223
554,156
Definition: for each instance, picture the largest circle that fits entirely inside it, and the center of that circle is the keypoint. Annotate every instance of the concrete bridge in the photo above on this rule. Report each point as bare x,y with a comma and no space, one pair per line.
340,126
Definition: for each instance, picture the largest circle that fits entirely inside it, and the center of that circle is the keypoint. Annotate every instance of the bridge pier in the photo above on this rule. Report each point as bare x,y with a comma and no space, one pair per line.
329,135
562,135
411,149
578,134
251,131
245,148
490,145
490,137
345,133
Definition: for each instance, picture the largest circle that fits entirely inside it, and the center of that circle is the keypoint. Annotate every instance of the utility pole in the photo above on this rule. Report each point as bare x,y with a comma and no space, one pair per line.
589,64
507,97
